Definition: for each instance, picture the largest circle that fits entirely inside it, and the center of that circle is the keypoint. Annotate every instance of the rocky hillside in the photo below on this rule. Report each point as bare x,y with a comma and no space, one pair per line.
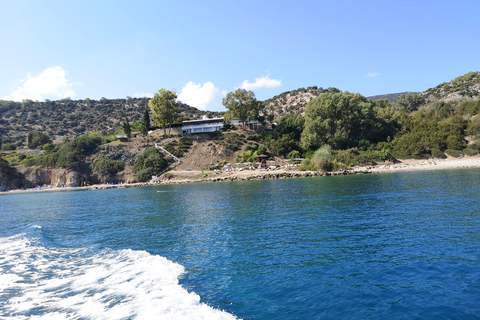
467,85
292,102
72,118
392,97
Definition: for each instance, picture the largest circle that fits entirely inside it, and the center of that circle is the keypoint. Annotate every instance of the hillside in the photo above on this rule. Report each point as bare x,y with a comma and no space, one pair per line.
345,130
71,118
292,102
392,97
464,86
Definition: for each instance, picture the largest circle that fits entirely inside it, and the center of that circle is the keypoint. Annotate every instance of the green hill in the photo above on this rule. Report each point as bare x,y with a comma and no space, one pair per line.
71,118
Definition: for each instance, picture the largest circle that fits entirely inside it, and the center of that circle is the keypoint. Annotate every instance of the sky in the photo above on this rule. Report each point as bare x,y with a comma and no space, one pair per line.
204,49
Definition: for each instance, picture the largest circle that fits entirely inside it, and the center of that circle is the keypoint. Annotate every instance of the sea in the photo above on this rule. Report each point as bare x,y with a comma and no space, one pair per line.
383,246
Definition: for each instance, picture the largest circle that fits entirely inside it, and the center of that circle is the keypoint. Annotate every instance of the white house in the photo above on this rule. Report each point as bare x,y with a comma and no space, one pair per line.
203,125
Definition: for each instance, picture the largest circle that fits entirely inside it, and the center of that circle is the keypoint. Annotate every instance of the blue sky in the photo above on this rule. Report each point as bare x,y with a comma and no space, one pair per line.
204,49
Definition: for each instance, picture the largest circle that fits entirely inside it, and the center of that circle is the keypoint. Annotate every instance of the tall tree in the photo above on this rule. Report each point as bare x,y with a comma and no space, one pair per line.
339,119
146,122
126,128
243,105
410,101
37,139
164,108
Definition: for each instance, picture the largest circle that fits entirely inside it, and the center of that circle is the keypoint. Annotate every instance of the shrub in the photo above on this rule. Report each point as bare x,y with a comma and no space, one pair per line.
349,156
385,154
293,155
37,139
322,158
168,175
307,165
453,153
48,147
9,147
470,151
437,153
149,163
107,168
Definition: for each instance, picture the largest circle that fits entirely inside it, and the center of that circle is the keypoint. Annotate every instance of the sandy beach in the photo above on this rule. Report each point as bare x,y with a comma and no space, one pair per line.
430,164
183,177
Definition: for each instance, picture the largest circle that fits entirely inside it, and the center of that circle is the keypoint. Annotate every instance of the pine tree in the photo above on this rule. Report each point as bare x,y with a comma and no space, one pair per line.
126,128
146,122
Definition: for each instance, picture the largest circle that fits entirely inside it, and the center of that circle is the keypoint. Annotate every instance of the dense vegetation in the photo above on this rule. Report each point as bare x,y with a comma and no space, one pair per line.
150,163
328,128
341,129
8,175
68,118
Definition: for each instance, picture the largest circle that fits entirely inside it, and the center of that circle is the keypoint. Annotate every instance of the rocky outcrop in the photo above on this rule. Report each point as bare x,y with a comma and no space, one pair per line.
269,175
36,176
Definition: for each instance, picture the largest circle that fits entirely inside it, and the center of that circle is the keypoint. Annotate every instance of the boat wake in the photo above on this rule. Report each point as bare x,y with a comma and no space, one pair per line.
45,283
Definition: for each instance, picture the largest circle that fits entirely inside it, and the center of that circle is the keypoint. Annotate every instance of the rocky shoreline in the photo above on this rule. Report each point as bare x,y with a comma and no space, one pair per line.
405,165
250,176
268,176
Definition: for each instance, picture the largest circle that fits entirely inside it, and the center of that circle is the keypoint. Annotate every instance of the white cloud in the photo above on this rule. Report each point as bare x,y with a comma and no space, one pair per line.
262,82
50,83
198,96
373,74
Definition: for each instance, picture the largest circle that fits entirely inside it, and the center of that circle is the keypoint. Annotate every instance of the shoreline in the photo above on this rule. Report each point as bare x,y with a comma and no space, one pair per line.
246,175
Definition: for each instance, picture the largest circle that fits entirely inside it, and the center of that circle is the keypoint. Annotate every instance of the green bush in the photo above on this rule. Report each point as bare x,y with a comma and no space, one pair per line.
30,161
36,139
347,156
149,163
293,155
168,175
437,153
322,158
385,154
470,151
453,153
307,165
107,169
9,147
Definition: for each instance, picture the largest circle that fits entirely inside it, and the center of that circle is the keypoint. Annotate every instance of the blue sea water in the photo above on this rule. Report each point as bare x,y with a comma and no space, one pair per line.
385,246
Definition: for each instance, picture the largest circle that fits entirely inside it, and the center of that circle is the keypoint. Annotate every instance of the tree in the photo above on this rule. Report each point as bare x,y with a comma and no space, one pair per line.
36,139
410,101
146,122
149,163
336,119
126,128
164,108
243,105
107,168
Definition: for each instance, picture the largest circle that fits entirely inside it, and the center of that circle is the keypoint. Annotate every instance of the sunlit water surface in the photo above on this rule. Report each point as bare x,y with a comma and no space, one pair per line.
386,246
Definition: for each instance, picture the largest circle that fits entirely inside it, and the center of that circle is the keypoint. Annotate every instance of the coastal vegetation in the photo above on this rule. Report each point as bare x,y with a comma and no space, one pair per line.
242,105
150,163
328,130
165,109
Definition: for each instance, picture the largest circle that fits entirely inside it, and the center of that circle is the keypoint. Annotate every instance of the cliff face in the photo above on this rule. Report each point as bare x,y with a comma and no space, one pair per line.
36,176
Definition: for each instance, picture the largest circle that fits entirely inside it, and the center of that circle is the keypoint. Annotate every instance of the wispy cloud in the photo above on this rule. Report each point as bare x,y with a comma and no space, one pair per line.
199,96
372,74
51,83
262,82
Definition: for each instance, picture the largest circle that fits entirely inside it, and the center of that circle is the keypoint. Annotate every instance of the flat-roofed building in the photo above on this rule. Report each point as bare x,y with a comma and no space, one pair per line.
203,125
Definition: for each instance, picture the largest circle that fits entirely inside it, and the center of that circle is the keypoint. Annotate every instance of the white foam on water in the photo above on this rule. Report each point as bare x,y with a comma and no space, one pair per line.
37,282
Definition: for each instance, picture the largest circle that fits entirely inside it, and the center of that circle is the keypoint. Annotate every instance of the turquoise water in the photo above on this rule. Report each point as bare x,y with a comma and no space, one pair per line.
386,246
